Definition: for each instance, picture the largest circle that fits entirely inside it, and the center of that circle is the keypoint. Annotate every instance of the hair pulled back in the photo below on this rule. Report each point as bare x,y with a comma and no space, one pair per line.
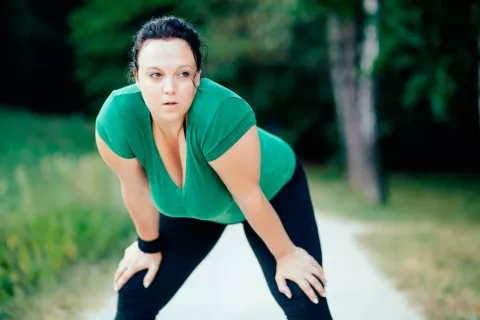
166,27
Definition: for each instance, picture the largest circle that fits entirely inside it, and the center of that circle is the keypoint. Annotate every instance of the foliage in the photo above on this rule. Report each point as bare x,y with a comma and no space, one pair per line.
273,53
59,200
253,49
263,51
102,35
409,43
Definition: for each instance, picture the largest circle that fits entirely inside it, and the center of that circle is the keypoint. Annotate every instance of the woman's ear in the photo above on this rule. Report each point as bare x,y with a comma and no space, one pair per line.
135,75
197,77
137,79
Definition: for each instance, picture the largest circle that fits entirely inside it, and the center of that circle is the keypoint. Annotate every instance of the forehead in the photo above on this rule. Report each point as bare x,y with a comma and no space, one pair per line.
165,53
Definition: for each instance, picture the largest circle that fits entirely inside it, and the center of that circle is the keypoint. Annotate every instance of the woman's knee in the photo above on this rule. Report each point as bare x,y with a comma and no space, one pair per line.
137,302
132,316
302,308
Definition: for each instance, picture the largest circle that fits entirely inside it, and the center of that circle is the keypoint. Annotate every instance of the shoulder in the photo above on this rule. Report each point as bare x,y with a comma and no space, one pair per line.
214,100
220,117
215,90
118,119
120,101
122,108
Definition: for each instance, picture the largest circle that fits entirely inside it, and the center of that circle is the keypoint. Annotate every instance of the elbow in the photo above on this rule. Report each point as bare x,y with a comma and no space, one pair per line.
251,197
128,196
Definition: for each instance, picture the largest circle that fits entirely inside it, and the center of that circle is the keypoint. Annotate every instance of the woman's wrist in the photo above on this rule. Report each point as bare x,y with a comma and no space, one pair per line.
152,246
283,251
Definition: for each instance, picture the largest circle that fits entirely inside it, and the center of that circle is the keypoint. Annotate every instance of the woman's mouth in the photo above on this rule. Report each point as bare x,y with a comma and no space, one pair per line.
170,104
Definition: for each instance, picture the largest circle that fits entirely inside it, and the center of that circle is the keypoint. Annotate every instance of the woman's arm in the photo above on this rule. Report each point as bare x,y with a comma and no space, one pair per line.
239,169
135,191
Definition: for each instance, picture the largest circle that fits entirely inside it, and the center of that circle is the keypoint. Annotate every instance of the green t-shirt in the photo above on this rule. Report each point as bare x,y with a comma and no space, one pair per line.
216,120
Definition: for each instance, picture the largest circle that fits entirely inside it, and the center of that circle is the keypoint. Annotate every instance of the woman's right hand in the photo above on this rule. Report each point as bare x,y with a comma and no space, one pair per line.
134,261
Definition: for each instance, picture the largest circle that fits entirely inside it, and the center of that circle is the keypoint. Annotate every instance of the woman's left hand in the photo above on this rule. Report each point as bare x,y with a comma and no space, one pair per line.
301,268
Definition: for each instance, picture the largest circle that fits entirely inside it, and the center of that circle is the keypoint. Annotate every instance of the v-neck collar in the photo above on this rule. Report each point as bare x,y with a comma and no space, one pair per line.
159,158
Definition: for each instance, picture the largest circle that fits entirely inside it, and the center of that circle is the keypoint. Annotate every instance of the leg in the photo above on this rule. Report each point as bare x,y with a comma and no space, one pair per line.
186,243
295,209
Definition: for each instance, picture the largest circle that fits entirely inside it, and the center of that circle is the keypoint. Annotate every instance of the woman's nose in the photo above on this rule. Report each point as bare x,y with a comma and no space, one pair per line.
169,86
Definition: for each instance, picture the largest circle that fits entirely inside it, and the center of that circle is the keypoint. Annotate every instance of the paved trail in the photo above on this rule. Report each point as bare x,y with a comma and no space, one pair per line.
229,283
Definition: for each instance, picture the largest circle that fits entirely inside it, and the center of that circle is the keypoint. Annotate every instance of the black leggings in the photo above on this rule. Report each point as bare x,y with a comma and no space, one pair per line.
188,241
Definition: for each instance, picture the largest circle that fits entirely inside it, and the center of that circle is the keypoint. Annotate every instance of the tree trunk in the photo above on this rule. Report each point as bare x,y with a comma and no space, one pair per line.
366,106
342,54
355,100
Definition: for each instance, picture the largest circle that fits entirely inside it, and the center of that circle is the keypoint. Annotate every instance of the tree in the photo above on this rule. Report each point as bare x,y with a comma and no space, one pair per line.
102,35
355,97
367,106
342,51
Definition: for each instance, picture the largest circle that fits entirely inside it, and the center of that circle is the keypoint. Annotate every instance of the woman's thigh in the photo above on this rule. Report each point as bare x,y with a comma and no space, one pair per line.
186,242
295,209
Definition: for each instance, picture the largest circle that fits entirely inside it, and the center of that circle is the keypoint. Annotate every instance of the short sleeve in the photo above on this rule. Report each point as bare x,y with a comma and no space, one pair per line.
111,129
233,118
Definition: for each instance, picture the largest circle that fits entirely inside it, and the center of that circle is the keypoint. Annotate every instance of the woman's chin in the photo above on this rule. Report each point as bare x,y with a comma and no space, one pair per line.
170,107
169,113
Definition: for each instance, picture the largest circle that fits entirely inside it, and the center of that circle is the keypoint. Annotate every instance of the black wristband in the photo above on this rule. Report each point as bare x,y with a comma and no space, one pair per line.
153,246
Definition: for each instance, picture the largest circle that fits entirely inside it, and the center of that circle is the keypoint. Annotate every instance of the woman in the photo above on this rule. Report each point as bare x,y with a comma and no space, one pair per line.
190,149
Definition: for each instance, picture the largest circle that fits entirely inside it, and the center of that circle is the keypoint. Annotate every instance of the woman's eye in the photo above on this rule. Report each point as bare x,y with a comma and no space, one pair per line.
155,75
184,74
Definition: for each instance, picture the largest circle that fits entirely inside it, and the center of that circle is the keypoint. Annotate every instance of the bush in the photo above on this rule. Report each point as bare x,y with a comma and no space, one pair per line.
60,209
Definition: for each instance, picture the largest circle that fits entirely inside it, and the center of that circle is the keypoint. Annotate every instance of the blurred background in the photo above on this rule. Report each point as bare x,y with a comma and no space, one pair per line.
381,99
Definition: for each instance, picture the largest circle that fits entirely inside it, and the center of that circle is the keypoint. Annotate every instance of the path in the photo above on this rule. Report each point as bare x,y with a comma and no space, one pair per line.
229,283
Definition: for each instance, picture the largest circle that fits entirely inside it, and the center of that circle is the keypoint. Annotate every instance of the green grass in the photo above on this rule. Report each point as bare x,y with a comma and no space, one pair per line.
26,142
438,266
419,197
427,235
84,286
61,208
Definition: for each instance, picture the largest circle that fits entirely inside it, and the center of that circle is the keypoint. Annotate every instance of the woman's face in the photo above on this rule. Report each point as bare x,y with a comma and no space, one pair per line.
166,77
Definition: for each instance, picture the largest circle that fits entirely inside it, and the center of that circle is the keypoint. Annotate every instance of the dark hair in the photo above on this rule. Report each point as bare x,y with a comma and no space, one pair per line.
167,27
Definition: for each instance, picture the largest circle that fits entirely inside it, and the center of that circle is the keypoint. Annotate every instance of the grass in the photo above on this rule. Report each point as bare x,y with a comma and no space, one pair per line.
83,287
58,197
439,267
62,216
427,238
29,143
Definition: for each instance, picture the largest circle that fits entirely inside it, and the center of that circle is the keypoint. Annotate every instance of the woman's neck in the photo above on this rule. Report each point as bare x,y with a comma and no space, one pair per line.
170,130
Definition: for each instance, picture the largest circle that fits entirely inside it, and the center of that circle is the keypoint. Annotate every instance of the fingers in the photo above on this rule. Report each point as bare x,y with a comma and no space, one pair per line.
310,281
319,274
282,287
121,269
315,284
318,271
124,278
305,286
152,271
